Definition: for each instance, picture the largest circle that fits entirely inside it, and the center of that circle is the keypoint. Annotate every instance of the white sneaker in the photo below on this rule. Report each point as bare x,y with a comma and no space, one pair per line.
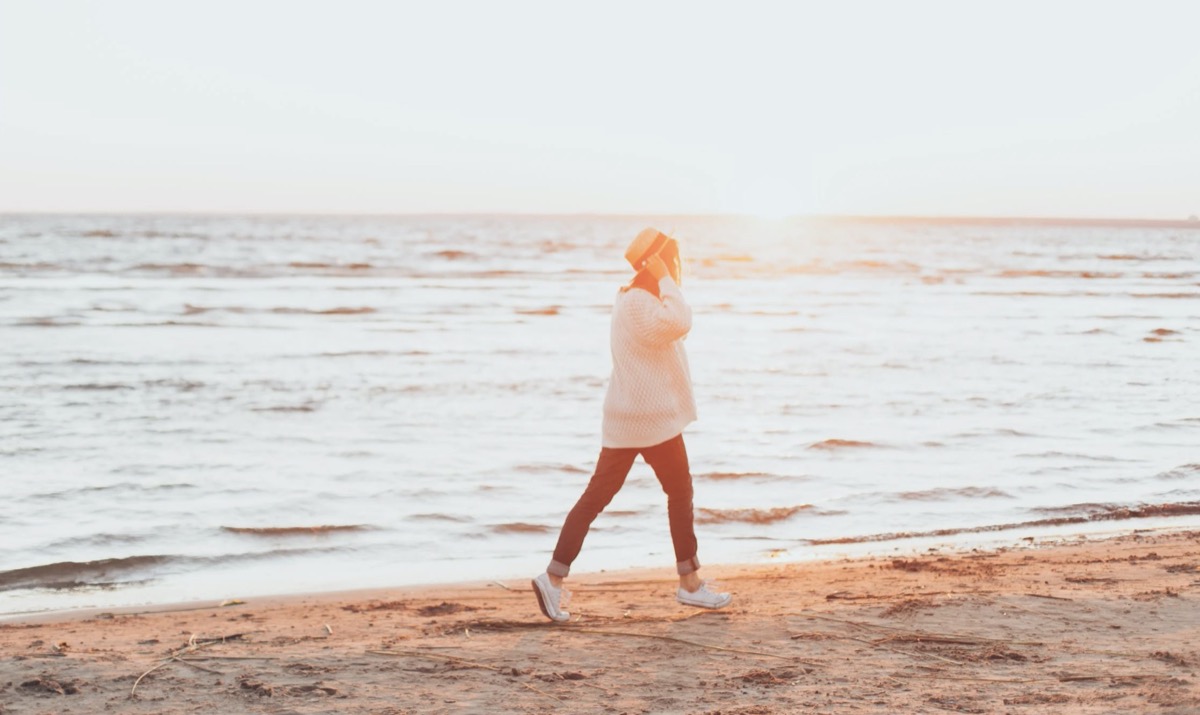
551,599
702,597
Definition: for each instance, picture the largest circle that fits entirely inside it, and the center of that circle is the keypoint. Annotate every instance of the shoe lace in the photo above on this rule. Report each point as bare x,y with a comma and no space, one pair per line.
564,597
711,586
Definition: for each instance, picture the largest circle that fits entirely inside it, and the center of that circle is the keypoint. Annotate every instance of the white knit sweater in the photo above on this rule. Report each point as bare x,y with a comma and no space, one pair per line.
649,398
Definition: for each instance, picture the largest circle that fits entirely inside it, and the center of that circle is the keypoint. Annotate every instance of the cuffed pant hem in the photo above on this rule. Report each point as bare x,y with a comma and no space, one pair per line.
686,567
558,569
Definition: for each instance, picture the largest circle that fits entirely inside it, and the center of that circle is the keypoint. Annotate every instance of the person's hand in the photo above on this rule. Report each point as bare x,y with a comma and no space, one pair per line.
657,267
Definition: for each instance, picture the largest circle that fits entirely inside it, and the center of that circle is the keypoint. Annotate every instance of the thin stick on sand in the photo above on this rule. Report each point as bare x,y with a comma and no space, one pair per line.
1057,679
606,691
187,661
232,657
542,692
192,646
148,672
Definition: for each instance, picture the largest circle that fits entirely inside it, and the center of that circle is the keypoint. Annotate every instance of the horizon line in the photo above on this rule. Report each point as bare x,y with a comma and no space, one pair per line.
1191,221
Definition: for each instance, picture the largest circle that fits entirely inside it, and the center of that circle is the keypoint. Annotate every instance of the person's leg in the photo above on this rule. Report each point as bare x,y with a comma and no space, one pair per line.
611,469
670,463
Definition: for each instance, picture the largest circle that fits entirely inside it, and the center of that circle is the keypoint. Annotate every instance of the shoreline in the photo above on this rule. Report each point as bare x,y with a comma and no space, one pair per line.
1104,523
1079,624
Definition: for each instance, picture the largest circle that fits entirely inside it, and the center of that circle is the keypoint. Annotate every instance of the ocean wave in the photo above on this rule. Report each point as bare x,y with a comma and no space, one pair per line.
276,531
998,432
1186,471
543,468
77,361
520,527
118,487
176,324
1087,275
361,353
758,516
1162,335
721,476
204,270
305,407
831,444
946,493
93,540
1053,454
173,268
48,322
1105,512
440,517
115,572
73,574
1189,275
362,310
1041,294
453,255
496,273
330,266
1074,509
189,309
191,235
34,266
178,383
114,308
1180,493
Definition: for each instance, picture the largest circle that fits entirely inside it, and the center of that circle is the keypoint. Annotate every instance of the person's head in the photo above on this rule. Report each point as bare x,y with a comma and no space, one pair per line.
652,242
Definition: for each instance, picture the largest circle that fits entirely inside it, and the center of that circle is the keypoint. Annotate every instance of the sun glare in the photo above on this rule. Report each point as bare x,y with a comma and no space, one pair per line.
770,212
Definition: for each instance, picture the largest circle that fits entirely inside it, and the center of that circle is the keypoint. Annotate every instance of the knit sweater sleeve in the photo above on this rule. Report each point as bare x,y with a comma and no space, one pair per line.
659,321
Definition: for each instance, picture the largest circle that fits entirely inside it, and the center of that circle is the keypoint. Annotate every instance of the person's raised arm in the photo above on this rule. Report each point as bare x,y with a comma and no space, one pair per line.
665,319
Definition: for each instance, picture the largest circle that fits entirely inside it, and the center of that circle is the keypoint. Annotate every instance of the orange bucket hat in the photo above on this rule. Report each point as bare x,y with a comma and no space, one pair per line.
647,244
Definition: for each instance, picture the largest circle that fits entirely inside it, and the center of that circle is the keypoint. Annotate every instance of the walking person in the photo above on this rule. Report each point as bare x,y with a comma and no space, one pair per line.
649,402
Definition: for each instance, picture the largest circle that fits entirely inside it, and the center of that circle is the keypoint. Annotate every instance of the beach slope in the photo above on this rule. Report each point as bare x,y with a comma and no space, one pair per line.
1095,626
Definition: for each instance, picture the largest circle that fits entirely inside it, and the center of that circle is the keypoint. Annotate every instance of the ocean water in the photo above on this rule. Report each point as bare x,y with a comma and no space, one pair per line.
198,407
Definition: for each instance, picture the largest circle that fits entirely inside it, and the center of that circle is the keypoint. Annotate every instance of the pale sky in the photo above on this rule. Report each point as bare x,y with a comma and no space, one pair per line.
1045,108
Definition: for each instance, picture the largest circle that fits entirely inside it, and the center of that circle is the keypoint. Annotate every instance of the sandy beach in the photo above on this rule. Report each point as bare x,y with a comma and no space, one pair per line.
328,327
1074,626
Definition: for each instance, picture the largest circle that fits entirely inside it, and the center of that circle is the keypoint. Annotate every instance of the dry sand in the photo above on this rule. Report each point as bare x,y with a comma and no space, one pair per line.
1098,626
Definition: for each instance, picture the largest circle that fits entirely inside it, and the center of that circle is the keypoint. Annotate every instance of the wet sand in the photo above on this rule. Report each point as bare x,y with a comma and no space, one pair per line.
1087,626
